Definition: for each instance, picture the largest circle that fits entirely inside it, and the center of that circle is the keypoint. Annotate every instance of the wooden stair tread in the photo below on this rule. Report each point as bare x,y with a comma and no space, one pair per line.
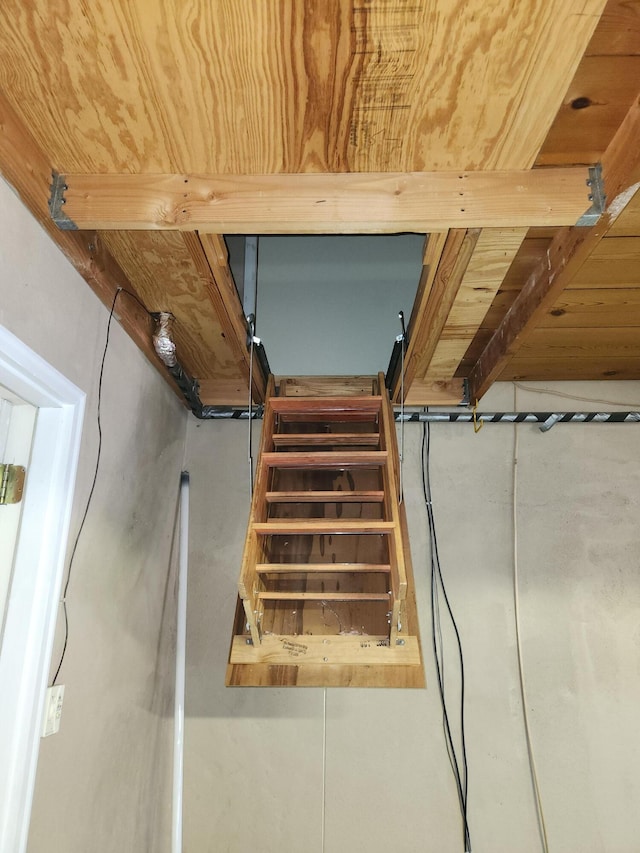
327,459
319,405
337,496
302,439
323,596
322,568
329,526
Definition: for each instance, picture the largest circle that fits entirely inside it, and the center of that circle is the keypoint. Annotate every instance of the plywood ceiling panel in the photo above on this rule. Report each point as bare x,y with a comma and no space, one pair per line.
165,277
281,86
595,104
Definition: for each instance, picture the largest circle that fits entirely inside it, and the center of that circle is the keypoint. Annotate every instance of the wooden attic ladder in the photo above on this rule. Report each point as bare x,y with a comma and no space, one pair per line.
324,577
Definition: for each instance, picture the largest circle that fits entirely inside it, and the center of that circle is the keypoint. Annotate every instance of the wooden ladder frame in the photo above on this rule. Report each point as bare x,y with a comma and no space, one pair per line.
263,581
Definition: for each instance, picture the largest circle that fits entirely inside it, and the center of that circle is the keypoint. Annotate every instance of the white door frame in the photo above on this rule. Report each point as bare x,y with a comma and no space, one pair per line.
34,595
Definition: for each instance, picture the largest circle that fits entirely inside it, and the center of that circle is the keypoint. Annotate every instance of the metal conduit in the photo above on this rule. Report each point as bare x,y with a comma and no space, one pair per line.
165,348
545,419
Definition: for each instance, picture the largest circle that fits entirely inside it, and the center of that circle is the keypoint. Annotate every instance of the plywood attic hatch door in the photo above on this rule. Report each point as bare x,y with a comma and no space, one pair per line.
326,584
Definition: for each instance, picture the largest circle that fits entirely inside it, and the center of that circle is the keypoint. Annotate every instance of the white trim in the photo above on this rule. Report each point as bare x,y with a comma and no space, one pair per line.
37,578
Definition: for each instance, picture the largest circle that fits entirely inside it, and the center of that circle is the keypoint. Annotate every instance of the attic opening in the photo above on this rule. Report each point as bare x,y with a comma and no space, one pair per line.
328,304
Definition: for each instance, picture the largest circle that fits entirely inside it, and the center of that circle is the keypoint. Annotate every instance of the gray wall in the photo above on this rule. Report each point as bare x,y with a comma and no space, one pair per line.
103,782
254,774
329,305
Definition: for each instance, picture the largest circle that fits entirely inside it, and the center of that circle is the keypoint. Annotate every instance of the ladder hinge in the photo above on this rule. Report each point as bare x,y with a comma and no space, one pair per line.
11,483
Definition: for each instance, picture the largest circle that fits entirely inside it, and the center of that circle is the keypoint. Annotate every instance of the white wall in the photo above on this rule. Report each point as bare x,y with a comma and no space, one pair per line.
329,304
103,782
254,756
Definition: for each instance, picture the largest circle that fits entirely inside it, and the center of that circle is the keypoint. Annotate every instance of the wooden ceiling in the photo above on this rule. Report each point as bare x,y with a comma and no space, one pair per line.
473,122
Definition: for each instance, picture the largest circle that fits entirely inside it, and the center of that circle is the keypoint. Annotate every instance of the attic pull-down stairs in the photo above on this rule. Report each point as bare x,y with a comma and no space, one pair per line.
326,580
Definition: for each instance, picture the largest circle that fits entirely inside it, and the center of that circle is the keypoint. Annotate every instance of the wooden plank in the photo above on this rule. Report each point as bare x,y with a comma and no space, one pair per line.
579,343
26,168
345,85
355,496
493,255
163,271
596,102
249,583
224,296
326,386
574,369
393,508
615,262
321,568
302,439
326,459
323,596
314,526
426,327
224,392
628,223
356,406
568,252
618,30
433,248
359,651
594,308
421,393
327,203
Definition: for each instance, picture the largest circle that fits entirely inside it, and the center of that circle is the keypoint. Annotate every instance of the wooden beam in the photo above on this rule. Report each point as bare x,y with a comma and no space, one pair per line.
28,171
209,254
437,292
494,253
357,650
422,393
432,252
568,252
324,203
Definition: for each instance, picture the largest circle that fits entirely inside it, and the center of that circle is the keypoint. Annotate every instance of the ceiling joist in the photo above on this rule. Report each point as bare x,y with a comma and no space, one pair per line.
345,203
569,250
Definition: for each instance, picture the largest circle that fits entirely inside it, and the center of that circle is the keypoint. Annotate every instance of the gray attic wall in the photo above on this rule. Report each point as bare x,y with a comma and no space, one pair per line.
329,304
254,775
103,782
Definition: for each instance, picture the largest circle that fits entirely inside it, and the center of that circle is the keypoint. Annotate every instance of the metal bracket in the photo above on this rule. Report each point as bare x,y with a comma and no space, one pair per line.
466,394
11,484
597,197
57,201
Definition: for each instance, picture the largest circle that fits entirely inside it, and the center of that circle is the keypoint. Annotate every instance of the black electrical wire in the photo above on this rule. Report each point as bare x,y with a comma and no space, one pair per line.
437,581
95,475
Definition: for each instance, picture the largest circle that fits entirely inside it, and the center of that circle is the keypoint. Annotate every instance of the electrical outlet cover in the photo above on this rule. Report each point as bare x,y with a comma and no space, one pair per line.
52,710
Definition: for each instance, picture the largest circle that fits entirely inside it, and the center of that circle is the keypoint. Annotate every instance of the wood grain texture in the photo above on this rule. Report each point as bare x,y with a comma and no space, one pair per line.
226,87
209,253
454,260
590,308
568,252
162,270
423,393
618,30
597,343
628,223
26,167
326,386
571,369
595,104
493,255
328,203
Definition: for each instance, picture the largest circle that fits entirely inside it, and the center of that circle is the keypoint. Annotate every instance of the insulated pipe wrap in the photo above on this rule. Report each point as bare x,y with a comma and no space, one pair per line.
163,338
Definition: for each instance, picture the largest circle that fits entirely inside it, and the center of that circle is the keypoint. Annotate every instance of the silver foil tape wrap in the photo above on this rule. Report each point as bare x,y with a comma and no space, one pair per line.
163,338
